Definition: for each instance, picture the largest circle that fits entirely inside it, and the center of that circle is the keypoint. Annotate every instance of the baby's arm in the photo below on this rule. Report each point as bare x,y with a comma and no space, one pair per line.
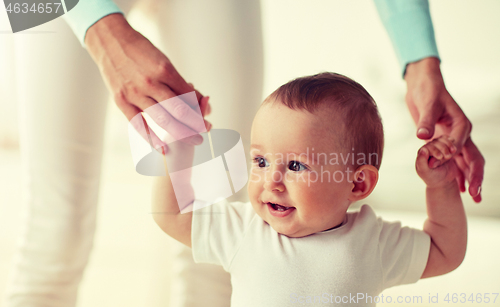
165,205
446,223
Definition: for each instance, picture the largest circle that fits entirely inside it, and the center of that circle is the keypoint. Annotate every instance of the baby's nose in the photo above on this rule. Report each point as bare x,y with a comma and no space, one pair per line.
274,182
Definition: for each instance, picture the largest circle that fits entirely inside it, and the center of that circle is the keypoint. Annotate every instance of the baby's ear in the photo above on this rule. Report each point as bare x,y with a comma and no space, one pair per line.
364,181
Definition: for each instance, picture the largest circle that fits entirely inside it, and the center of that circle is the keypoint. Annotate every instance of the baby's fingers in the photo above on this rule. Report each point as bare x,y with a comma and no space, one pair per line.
445,145
441,150
422,158
450,142
435,154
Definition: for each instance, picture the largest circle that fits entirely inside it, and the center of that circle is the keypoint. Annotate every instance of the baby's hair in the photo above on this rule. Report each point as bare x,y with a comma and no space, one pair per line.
362,126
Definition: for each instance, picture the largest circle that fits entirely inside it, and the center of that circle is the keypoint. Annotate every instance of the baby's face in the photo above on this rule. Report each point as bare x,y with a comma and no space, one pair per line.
286,188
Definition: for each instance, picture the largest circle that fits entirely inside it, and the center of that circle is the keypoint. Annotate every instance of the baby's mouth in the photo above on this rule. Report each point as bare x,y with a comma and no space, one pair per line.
279,207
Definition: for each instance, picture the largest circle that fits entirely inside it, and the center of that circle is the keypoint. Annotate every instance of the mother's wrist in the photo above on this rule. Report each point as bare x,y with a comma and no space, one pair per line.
426,66
104,34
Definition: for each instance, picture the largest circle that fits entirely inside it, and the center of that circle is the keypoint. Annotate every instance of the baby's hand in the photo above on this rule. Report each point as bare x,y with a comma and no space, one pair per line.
435,164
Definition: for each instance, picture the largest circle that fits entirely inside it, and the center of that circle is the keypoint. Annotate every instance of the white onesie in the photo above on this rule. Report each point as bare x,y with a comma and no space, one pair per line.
364,255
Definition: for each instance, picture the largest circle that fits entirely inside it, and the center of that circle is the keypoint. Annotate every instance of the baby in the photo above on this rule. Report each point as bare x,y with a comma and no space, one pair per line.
316,147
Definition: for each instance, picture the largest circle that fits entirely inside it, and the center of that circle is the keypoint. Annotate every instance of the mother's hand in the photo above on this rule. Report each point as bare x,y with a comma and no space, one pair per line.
140,76
436,113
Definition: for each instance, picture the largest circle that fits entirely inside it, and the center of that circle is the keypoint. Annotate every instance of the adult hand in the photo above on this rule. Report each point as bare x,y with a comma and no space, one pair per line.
436,113
140,76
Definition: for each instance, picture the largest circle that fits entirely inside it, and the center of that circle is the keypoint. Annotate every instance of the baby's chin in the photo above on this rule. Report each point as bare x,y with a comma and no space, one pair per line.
291,233
280,228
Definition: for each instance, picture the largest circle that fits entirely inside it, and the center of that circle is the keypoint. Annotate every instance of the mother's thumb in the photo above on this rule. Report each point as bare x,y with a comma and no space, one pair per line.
426,123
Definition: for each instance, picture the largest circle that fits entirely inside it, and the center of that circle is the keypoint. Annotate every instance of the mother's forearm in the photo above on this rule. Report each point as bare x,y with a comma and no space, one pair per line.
106,35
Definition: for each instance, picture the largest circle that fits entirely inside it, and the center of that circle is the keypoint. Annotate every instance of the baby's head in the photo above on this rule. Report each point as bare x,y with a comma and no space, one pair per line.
316,147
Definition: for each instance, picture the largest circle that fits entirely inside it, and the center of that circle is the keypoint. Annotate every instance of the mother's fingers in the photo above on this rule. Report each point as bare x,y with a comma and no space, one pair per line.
172,115
177,130
463,171
471,162
476,163
179,107
205,106
183,113
137,121
173,80
460,124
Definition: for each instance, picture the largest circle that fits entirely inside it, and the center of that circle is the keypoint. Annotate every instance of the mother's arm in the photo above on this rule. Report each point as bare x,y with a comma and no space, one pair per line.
434,111
137,74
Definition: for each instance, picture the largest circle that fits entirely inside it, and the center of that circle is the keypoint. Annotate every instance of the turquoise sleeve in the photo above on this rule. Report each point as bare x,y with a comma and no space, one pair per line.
409,25
88,12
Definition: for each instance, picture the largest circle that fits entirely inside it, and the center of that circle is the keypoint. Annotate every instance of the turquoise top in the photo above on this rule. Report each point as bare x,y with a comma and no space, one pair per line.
88,12
408,23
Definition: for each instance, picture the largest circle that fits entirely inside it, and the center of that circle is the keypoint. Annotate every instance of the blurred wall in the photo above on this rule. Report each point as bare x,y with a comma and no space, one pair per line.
8,107
306,37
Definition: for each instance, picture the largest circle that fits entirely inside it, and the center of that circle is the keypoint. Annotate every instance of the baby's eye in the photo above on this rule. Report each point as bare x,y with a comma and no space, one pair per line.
296,166
261,162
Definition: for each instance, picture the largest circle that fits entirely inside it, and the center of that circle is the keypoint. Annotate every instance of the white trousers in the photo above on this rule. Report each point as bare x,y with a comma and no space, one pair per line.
216,45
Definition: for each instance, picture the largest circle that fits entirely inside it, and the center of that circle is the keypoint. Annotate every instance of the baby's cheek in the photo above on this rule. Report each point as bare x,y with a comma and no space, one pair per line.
254,185
303,188
313,189
297,178
255,176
